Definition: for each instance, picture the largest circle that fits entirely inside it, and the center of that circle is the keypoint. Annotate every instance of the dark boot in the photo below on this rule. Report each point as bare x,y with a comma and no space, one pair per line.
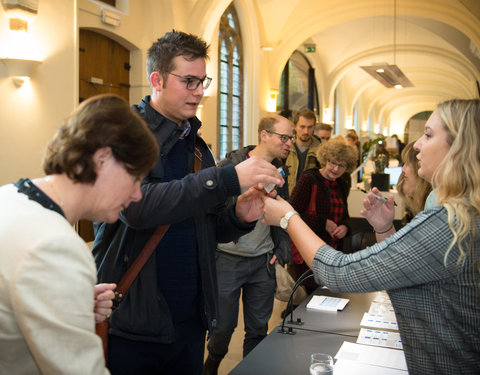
210,367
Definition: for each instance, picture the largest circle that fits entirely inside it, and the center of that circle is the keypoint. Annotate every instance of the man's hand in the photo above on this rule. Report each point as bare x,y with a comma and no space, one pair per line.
249,205
255,170
274,259
103,294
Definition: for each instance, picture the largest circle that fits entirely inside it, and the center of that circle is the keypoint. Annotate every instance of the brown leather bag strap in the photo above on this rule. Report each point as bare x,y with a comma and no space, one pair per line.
150,246
197,163
139,262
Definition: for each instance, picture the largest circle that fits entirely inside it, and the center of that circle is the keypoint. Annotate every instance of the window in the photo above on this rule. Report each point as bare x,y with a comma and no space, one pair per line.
298,88
230,99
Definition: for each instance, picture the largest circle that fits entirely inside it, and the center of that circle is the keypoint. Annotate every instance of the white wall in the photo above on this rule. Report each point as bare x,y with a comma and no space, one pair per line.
30,115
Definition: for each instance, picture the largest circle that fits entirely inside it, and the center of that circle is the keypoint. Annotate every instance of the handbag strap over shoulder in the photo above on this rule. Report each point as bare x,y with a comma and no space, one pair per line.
139,262
312,205
150,246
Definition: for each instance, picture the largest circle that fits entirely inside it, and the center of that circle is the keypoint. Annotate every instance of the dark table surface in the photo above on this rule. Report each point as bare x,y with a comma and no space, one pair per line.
322,332
344,322
281,354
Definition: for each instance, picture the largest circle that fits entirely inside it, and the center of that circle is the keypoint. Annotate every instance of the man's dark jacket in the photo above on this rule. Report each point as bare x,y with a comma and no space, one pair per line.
144,315
280,238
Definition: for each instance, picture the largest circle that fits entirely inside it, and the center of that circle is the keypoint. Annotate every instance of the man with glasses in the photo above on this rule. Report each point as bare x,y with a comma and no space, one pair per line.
246,266
303,155
160,326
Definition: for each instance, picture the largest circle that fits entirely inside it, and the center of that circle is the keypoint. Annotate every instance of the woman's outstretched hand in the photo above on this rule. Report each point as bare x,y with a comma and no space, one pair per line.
379,214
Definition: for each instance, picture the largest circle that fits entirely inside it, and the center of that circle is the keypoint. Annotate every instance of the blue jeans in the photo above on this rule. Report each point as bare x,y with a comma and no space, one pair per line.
255,278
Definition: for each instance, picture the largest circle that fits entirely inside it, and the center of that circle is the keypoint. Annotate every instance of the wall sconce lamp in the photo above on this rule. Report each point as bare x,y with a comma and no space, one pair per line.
19,69
272,101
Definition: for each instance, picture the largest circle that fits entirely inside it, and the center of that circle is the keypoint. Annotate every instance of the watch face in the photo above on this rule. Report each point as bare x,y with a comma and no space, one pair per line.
283,223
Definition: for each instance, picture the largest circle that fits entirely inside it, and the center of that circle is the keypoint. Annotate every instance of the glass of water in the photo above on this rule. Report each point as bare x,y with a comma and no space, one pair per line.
321,364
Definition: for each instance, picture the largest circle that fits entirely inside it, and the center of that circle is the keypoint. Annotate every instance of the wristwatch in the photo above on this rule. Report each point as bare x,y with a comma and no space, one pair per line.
284,220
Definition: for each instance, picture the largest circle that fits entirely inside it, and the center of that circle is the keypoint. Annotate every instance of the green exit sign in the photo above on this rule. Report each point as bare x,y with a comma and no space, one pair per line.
310,48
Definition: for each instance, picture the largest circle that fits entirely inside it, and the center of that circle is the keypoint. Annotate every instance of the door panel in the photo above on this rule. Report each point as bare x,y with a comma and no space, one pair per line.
105,59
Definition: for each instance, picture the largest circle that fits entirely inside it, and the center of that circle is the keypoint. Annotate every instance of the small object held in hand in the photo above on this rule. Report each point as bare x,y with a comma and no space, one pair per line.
381,199
269,187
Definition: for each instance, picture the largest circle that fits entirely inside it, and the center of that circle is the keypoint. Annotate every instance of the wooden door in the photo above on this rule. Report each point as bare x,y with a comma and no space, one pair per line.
103,68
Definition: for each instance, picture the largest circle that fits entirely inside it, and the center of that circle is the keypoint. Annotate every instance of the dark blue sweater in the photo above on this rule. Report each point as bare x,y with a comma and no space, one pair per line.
177,256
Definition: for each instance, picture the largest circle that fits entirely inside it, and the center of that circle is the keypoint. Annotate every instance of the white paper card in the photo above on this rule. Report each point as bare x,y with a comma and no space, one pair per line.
382,297
345,367
325,303
372,355
380,338
383,321
381,308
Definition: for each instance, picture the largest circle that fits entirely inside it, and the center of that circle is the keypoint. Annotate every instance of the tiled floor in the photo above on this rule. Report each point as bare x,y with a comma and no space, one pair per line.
235,350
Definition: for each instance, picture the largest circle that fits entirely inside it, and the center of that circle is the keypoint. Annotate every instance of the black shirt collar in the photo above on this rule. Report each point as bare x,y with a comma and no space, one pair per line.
25,186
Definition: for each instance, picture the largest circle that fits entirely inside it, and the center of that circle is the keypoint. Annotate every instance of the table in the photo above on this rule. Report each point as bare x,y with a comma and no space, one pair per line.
345,322
280,354
322,332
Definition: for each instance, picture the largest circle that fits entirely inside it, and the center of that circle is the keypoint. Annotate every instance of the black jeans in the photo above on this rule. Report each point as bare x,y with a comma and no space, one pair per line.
184,356
255,278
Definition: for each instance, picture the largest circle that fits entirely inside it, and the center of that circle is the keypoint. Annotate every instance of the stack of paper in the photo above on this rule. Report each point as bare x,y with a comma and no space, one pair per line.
325,303
369,360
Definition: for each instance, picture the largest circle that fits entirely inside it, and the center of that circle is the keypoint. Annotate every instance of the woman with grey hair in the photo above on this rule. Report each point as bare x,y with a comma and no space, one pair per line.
329,220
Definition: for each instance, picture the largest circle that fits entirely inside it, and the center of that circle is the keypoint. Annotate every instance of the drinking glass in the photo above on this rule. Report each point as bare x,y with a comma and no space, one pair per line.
321,364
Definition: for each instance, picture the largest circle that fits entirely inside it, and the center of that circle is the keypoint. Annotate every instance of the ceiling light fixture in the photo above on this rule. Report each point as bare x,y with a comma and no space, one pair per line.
387,74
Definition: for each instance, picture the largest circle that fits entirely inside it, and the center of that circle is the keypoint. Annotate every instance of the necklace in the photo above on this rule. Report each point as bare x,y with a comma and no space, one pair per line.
55,192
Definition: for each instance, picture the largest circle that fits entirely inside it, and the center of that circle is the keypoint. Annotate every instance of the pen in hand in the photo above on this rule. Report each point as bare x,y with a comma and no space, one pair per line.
381,199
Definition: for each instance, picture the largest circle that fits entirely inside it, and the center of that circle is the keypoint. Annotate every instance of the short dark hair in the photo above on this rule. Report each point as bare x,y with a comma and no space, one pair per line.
101,121
306,113
170,45
323,126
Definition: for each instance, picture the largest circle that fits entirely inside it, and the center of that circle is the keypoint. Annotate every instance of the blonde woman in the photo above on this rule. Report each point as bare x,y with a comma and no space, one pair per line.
429,267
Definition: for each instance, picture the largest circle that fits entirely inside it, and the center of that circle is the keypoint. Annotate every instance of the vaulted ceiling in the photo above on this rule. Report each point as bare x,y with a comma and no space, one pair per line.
436,43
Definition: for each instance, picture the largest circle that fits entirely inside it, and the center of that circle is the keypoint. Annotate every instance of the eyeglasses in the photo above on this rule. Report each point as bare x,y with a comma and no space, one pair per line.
339,165
283,137
192,83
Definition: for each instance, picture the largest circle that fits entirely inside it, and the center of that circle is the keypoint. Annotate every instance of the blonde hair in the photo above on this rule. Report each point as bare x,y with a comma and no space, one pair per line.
457,178
422,188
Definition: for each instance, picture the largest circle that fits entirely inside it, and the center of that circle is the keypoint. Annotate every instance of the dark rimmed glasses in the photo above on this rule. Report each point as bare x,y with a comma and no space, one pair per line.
283,137
192,83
